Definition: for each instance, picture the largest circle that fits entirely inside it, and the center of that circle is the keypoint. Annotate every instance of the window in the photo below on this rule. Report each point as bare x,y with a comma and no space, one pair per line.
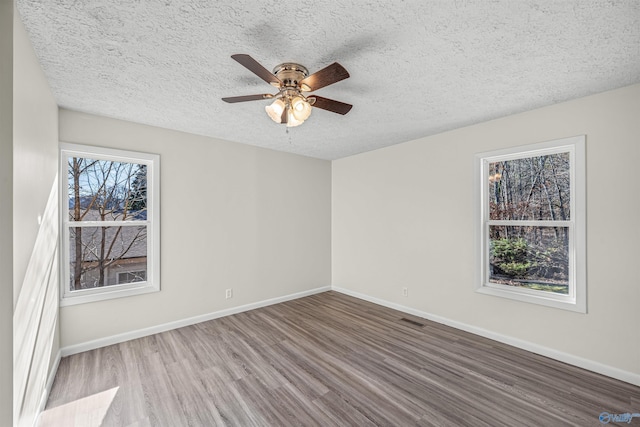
530,223
110,223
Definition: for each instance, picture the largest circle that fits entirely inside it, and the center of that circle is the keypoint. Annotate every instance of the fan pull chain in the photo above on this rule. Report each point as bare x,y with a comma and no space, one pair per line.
289,134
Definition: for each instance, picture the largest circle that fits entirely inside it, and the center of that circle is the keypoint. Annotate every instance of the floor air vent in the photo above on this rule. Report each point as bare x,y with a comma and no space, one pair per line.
413,322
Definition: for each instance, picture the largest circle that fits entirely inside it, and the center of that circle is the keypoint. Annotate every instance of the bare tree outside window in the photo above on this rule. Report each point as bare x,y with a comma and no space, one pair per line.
115,193
524,190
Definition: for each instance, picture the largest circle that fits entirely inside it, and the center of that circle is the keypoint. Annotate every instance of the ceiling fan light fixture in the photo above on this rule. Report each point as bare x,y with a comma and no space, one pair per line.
275,110
300,108
292,120
290,106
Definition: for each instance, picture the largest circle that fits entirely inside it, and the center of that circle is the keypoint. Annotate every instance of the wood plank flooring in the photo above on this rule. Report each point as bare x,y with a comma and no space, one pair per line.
330,359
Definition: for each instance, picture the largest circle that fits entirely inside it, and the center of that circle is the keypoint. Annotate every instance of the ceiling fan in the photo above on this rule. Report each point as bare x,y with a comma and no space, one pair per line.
291,106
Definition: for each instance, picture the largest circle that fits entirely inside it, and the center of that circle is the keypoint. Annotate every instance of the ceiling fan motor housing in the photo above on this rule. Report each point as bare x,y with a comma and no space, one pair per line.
290,73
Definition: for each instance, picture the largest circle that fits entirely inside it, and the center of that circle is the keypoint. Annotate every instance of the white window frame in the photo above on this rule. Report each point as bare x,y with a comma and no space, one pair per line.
152,284
576,300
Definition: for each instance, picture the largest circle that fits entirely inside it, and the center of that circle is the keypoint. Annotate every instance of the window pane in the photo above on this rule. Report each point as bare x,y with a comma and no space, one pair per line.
99,254
530,257
534,188
101,190
132,276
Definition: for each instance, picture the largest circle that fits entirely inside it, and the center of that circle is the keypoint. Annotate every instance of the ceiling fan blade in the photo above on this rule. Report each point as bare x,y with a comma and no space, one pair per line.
331,105
325,77
244,98
284,118
257,69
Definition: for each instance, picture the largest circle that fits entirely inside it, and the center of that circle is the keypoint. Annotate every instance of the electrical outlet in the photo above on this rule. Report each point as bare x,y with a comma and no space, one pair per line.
405,292
229,293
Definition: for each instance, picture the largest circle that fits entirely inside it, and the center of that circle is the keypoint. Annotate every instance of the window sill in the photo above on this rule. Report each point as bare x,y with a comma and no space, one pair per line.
94,295
563,302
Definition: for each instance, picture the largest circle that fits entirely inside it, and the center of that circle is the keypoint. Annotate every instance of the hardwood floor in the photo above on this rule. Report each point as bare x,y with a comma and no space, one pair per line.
330,359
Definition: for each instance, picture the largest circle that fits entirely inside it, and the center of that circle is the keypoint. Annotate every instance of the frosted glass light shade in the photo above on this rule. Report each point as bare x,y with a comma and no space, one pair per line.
301,108
275,110
291,119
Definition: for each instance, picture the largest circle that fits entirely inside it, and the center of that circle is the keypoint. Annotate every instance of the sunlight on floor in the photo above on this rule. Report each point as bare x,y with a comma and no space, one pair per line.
86,412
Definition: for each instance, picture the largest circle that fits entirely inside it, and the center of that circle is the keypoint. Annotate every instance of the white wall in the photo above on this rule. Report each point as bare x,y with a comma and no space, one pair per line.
35,152
35,229
6,212
403,216
233,216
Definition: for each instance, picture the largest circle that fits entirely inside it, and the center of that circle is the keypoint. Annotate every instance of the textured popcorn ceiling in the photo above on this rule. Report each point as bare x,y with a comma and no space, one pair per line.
417,67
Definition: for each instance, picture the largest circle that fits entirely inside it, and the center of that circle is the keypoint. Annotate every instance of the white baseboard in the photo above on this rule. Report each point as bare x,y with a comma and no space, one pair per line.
570,359
139,333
